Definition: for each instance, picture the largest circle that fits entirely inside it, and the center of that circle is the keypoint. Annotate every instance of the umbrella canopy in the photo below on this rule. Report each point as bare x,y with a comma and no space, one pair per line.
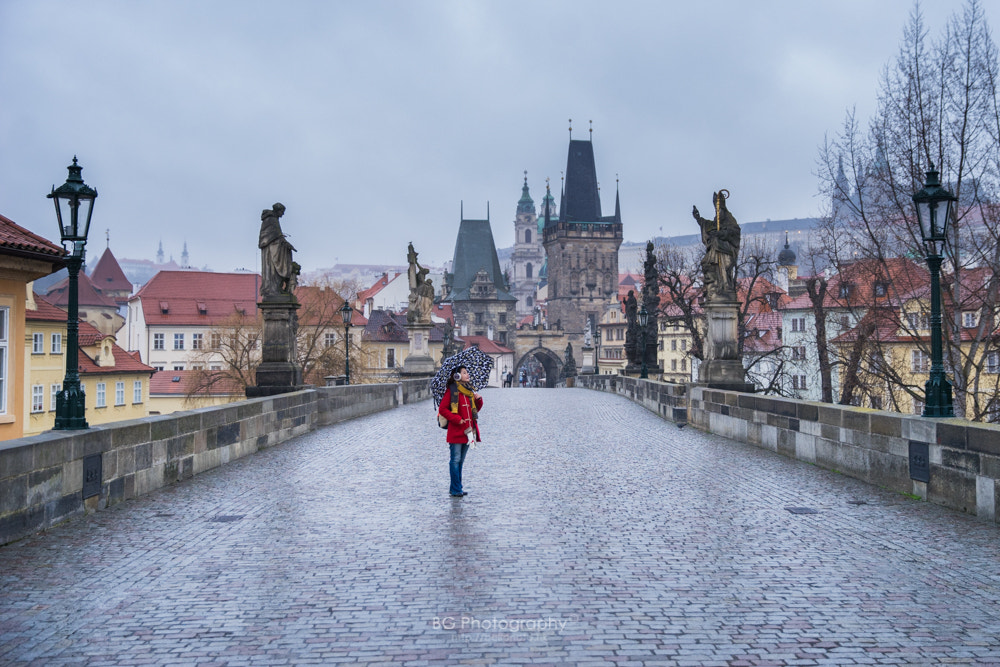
479,364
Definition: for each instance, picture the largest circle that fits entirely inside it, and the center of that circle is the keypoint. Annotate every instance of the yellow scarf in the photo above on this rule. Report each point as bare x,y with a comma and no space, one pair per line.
463,389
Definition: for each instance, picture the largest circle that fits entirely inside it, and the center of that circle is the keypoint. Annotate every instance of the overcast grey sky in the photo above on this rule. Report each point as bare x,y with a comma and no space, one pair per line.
372,120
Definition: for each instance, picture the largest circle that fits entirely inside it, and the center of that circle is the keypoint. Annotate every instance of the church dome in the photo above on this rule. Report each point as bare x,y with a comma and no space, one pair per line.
786,257
525,204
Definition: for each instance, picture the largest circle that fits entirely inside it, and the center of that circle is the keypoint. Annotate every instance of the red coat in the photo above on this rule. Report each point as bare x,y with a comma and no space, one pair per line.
457,423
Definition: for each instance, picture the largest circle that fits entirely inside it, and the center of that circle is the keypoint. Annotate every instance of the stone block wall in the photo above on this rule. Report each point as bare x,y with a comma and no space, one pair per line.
43,477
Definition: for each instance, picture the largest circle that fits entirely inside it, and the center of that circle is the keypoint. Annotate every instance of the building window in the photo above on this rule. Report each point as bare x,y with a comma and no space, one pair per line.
527,239
918,406
102,395
673,364
798,324
56,343
215,367
178,367
119,393
37,398
479,318
137,391
178,341
530,301
329,339
197,341
158,341
158,368
503,337
53,394
799,353
799,382
216,341
673,344
528,267
684,345
920,361
881,289
37,343
919,321
390,358
502,318
684,364
993,362
969,320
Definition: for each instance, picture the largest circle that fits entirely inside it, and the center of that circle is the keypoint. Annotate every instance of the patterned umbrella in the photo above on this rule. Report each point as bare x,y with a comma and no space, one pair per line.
479,364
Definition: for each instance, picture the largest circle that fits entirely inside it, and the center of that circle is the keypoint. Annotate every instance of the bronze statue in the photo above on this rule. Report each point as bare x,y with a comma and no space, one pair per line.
278,271
721,237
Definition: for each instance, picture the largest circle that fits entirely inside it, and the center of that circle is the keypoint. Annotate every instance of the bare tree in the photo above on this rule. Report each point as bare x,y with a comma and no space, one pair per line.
229,361
938,103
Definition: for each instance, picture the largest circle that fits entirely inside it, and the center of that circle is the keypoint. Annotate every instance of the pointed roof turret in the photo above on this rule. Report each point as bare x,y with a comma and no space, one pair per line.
108,276
618,204
525,204
476,251
582,200
549,211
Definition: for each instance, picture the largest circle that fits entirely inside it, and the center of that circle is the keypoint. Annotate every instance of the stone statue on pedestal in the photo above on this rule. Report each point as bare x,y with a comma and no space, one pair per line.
722,367
278,371
279,273
721,237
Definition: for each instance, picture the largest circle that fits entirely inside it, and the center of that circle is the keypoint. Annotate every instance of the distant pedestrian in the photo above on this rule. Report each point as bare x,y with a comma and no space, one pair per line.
460,405
510,379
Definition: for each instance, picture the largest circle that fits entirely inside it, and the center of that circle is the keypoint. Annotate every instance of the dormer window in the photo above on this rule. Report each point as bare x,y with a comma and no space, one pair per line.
881,289
846,289
202,308
164,307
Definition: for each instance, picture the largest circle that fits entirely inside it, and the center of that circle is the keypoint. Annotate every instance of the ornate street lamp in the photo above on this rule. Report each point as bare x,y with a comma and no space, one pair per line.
74,202
345,313
643,320
597,340
934,205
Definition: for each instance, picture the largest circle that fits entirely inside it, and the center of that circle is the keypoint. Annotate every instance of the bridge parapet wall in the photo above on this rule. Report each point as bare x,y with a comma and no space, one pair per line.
950,462
42,477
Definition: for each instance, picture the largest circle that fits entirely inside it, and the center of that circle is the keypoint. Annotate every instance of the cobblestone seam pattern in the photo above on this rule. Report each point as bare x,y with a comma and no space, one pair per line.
595,533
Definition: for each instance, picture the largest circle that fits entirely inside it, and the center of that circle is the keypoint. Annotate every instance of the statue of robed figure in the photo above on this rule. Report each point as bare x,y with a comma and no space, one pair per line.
721,237
278,272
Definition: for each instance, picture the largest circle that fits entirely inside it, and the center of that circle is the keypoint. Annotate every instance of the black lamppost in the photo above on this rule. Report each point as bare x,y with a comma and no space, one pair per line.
345,313
597,340
933,219
643,320
74,223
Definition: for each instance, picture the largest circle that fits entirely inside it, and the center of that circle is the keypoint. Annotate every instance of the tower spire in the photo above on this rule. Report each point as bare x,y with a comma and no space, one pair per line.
571,129
591,130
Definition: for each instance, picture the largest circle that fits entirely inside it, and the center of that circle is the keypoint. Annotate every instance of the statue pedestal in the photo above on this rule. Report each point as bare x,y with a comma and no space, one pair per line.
278,373
722,368
589,366
419,362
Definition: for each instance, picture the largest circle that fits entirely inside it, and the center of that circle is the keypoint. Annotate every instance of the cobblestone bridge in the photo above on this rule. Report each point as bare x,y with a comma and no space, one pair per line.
594,533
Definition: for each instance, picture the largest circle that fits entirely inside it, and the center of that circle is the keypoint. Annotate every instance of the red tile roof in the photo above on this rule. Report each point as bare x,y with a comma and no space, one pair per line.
385,327
177,383
124,361
321,307
17,238
486,345
88,294
44,311
197,297
108,275
379,285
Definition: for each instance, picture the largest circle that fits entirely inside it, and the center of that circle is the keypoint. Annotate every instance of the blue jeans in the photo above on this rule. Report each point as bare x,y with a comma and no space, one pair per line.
458,452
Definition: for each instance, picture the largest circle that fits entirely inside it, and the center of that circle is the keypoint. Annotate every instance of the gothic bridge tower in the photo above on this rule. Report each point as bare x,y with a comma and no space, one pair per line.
582,249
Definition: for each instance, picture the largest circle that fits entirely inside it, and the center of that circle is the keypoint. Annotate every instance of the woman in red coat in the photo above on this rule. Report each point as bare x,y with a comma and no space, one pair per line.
460,405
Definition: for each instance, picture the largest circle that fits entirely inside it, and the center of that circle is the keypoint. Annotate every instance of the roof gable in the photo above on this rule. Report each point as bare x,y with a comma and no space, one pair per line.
108,275
197,297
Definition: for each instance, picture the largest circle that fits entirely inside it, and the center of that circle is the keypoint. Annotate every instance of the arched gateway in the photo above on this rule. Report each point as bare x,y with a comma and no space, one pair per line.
549,360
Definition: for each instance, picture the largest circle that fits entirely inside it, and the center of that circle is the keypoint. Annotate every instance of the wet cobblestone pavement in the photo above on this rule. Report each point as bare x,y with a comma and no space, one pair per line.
594,534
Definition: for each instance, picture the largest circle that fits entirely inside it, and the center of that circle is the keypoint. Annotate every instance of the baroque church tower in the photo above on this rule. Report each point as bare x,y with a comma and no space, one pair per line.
529,255
581,248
